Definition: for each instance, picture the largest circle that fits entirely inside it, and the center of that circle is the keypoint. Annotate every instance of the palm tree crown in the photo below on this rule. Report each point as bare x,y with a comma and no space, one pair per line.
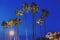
40,20
26,7
4,24
45,13
16,21
19,12
10,22
34,7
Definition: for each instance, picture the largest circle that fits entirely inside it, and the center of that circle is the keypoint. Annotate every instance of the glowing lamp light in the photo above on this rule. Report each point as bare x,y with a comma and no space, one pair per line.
11,32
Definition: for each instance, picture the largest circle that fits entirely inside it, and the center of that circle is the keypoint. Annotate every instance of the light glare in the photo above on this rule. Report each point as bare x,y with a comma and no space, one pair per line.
11,32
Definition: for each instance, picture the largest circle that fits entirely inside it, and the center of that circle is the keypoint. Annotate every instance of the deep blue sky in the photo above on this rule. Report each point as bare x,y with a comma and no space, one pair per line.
8,8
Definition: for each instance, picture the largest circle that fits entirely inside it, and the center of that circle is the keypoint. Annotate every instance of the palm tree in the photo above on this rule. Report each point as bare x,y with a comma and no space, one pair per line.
4,24
10,23
40,20
26,8
17,21
18,12
34,9
45,15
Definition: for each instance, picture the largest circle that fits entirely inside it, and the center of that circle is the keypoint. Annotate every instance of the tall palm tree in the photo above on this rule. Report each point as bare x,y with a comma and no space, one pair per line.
40,20
45,15
17,22
4,24
26,8
10,23
34,9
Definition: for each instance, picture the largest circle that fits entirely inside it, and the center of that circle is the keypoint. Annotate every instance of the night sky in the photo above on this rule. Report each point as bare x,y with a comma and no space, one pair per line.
8,11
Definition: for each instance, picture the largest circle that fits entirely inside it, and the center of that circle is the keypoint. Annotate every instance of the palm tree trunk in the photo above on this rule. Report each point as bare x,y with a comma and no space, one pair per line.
44,27
14,38
26,34
26,26
34,27
10,37
4,33
17,31
40,32
15,35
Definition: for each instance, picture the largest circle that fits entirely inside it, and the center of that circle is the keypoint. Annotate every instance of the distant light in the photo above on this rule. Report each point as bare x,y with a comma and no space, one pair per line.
11,32
37,22
50,37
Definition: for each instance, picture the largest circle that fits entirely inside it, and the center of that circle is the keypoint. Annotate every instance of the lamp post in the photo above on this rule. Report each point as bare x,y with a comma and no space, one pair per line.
34,10
26,8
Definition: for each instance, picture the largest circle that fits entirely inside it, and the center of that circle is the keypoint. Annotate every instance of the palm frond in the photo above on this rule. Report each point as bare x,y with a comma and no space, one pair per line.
45,13
34,7
16,21
10,22
4,24
40,20
19,12
26,7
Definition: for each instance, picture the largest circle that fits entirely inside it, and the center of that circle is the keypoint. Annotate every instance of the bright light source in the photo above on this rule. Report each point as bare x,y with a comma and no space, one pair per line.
37,22
11,32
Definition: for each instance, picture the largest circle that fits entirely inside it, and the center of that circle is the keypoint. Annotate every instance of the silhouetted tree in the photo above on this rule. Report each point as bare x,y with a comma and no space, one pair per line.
26,8
34,9
5,25
45,15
